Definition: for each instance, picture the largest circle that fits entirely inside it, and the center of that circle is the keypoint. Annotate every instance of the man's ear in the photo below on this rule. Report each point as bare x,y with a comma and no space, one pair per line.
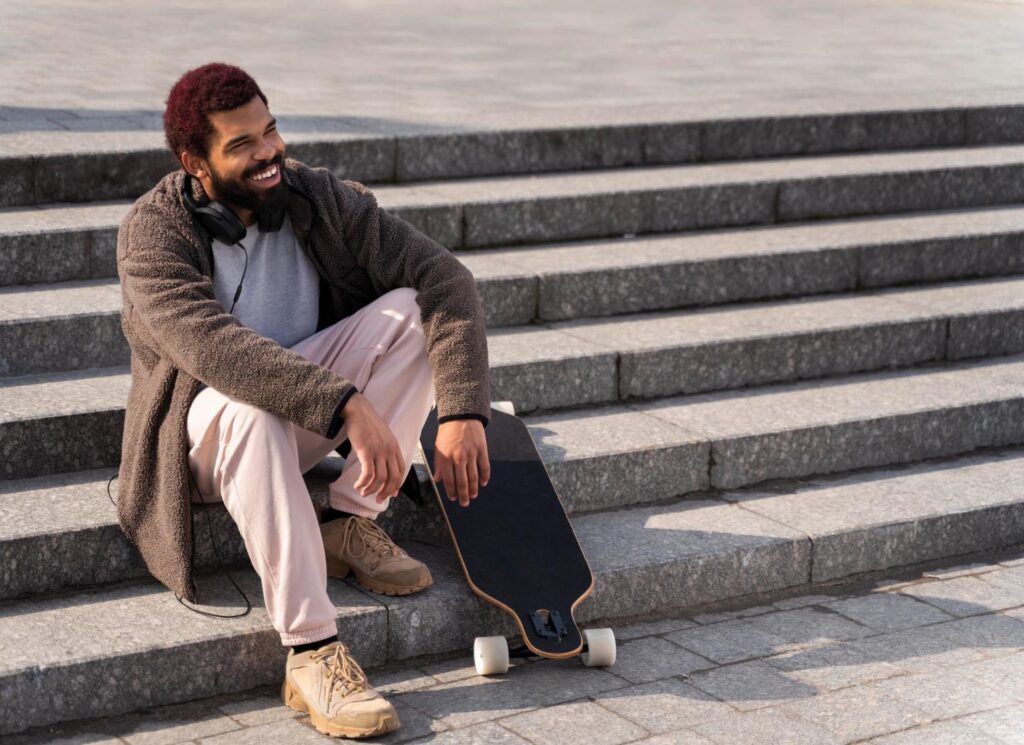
193,164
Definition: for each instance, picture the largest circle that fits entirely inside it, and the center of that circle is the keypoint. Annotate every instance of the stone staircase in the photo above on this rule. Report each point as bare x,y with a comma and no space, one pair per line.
755,354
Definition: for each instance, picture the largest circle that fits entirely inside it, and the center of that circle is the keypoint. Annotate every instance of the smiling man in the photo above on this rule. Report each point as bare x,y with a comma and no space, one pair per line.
273,312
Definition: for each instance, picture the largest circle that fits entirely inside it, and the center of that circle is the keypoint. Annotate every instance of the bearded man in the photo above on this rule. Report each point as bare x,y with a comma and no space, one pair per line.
273,312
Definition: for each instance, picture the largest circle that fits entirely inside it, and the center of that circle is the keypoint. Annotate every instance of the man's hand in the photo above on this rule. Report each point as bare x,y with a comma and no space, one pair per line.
460,458
375,446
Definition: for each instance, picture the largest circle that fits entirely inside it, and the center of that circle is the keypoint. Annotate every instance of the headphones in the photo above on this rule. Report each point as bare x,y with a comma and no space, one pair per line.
221,223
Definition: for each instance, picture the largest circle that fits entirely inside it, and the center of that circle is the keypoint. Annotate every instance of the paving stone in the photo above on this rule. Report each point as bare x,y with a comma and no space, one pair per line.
1006,724
730,641
664,705
944,694
473,700
169,732
857,713
679,737
581,721
650,659
939,733
832,667
452,670
401,681
802,601
888,611
961,596
750,685
249,712
919,650
299,731
767,726
994,634
813,625
480,733
657,627
960,570
1004,674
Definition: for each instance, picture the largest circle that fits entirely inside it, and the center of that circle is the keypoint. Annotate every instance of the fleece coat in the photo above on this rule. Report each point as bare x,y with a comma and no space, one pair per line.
180,336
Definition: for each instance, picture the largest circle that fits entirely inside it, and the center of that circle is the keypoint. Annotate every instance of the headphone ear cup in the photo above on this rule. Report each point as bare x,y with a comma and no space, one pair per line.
217,219
221,222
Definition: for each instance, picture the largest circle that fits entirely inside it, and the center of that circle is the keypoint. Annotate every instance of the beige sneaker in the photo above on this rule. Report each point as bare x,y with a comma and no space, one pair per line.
359,545
329,685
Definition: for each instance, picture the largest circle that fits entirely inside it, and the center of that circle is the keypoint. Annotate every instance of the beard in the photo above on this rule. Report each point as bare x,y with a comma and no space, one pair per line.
242,193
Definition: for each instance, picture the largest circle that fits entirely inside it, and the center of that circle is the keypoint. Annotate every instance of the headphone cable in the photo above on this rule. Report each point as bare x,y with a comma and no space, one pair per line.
238,291
213,544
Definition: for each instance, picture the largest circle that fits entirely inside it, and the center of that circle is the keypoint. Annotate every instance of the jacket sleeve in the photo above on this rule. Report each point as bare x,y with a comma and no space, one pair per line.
174,303
398,255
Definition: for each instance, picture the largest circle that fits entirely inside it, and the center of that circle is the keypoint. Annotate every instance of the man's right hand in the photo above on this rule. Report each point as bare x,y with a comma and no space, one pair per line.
374,444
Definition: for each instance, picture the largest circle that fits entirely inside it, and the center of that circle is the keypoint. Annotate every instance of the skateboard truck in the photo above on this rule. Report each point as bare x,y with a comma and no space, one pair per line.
549,624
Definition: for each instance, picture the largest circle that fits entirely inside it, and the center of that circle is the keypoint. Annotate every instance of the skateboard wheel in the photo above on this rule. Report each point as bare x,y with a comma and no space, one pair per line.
600,648
490,655
504,406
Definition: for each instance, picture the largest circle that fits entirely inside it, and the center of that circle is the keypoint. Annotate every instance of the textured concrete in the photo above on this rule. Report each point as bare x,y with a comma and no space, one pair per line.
921,505
939,679
904,423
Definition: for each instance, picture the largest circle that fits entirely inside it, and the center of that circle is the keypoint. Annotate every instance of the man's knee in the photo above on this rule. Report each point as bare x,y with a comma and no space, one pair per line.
242,417
403,301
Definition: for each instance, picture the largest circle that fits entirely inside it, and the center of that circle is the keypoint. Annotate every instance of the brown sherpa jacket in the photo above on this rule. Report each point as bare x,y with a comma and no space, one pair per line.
181,336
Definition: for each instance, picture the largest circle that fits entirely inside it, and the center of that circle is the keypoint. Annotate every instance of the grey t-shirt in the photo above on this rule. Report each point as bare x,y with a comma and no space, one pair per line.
281,292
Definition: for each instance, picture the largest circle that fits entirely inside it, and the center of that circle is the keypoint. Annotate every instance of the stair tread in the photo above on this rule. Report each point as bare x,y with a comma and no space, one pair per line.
89,625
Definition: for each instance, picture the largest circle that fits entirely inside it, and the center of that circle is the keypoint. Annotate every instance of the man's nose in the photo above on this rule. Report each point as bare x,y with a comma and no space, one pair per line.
264,152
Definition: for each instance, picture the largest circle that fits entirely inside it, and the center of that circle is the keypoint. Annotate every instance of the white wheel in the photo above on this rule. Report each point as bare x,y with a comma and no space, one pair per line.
600,644
490,655
505,406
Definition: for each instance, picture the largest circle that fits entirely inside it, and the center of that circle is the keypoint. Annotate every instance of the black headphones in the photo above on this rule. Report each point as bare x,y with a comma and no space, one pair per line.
221,222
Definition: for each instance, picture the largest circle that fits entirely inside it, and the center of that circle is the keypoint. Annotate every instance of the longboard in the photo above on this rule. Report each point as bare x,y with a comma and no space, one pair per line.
518,549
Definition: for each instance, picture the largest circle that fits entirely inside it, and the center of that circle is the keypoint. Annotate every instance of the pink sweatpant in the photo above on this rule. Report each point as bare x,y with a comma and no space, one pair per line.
254,460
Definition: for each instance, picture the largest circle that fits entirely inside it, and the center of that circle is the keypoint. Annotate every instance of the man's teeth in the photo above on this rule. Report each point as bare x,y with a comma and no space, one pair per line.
272,171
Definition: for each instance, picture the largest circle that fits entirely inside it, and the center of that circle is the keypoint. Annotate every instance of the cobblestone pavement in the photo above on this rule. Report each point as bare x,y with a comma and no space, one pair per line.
935,659
106,65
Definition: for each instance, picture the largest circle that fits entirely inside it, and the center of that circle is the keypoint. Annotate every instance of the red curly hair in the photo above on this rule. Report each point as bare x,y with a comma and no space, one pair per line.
213,87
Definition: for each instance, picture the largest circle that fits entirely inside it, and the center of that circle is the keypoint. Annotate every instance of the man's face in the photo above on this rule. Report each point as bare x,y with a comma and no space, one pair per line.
245,143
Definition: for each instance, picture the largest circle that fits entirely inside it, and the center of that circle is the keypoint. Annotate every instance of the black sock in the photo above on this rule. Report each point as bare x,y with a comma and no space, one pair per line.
332,514
314,645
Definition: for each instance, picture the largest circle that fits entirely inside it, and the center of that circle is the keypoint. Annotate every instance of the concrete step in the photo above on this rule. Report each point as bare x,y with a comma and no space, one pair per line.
114,650
72,421
488,212
607,277
77,325
555,365
599,458
72,167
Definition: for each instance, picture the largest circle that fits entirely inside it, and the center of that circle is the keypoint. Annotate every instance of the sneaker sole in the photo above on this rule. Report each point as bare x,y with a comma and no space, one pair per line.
294,699
337,569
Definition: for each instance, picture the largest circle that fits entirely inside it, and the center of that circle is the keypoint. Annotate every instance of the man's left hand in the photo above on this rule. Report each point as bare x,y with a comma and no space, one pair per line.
460,458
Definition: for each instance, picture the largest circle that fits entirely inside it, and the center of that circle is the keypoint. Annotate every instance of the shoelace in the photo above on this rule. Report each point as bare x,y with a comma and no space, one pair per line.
373,537
344,671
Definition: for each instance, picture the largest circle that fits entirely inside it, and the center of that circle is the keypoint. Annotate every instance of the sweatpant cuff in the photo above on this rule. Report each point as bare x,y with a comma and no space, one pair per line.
312,635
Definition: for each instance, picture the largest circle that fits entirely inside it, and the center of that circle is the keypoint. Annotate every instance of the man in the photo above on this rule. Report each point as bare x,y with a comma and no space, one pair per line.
274,311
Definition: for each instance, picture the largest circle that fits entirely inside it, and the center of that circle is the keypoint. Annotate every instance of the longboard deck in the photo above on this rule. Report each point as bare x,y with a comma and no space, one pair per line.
515,542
